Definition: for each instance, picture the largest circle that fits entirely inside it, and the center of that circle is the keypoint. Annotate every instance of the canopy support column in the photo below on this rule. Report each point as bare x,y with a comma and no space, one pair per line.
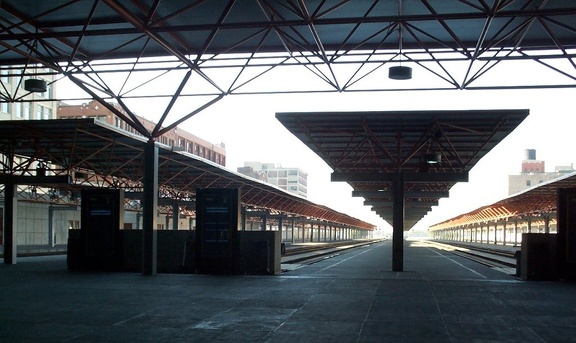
10,221
150,202
398,224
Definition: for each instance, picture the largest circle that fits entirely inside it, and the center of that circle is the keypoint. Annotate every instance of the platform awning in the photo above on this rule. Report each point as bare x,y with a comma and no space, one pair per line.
115,158
368,150
533,202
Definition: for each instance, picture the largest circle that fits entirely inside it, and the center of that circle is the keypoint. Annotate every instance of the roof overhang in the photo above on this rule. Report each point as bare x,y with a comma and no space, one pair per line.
368,150
114,158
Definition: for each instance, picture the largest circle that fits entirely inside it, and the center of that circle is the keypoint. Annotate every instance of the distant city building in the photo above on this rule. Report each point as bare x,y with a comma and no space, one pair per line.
176,137
534,173
294,180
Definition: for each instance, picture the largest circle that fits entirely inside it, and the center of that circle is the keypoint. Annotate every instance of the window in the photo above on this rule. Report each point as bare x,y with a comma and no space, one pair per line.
4,75
528,183
39,112
22,78
26,110
47,113
19,109
48,93
5,107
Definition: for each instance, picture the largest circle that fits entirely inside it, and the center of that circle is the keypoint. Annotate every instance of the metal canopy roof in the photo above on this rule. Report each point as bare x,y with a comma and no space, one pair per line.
345,45
539,200
367,149
117,158
113,29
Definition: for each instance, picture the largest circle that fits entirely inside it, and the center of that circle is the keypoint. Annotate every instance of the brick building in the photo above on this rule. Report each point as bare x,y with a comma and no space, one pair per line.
176,137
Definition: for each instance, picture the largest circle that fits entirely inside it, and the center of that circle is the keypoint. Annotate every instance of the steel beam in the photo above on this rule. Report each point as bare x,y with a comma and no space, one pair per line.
407,194
408,177
411,204
10,221
36,180
398,224
150,204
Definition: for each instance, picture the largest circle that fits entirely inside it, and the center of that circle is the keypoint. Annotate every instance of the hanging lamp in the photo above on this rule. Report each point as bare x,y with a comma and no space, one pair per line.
400,72
35,85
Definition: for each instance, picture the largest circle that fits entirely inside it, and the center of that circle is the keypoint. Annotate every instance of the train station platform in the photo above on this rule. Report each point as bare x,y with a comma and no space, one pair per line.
351,297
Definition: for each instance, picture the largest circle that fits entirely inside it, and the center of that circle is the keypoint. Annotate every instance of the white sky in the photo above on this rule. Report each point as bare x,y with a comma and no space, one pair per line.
250,131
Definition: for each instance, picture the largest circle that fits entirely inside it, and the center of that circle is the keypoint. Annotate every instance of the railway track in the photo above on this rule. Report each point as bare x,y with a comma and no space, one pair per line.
308,254
494,258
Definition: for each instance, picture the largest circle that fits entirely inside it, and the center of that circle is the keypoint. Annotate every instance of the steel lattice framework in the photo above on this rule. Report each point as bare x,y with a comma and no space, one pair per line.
211,49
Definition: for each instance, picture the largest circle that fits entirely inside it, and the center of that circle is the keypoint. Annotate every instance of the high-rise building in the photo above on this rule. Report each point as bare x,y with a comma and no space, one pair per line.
33,202
533,173
16,103
294,180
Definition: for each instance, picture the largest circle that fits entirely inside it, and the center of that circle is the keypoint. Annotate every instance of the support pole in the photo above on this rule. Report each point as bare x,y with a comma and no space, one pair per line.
175,215
398,224
10,221
515,232
311,232
150,202
280,227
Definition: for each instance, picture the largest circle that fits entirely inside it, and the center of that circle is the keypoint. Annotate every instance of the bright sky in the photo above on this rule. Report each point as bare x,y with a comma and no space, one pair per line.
250,131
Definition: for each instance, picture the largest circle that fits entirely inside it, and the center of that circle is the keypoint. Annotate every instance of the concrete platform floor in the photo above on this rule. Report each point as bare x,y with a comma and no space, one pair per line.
353,297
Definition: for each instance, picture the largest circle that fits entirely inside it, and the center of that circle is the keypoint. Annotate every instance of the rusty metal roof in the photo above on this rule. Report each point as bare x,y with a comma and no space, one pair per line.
366,149
532,202
117,156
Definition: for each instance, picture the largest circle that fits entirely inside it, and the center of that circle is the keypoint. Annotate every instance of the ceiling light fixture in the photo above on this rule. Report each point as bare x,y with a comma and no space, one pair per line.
433,158
400,72
35,85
